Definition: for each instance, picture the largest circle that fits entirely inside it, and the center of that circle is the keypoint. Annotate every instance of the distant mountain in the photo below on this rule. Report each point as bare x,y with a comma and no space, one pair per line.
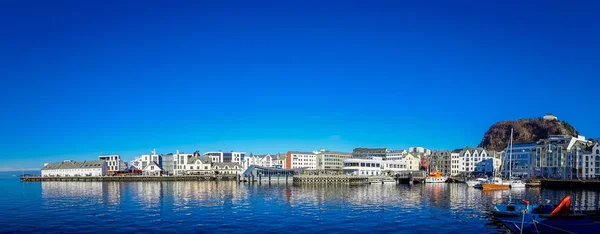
525,130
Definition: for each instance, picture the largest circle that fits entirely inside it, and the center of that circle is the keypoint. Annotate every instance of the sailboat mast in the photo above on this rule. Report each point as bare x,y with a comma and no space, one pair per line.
510,155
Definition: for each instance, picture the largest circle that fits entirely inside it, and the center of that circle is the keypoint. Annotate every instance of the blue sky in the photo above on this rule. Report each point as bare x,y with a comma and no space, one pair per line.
79,78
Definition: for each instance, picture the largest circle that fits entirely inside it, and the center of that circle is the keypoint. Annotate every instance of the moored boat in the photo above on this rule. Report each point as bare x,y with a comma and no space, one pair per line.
388,181
436,177
474,183
546,218
495,183
516,184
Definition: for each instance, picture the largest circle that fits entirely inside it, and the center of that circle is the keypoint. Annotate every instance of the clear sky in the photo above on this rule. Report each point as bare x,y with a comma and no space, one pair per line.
82,78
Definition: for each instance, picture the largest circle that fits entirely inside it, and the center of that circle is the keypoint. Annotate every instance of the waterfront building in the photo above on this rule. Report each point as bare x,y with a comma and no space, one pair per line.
279,161
114,163
168,163
152,169
226,168
591,162
331,160
520,163
369,152
298,159
74,168
265,160
220,157
394,155
391,167
361,166
561,156
412,161
198,165
468,161
181,161
440,160
147,159
136,164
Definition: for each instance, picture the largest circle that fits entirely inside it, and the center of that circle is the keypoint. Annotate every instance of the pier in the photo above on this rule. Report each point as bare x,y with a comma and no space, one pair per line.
232,177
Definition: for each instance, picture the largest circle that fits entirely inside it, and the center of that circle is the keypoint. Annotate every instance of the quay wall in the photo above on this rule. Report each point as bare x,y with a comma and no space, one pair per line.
133,178
570,184
330,179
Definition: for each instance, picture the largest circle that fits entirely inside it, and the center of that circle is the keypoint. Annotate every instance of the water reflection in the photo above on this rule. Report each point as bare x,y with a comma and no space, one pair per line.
204,204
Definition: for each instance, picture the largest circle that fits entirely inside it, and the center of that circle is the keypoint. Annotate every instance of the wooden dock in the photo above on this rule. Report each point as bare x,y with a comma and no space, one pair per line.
133,178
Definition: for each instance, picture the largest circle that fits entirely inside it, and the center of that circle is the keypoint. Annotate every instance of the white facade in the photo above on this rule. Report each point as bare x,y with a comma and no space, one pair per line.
113,162
590,166
358,166
393,167
258,160
73,168
456,162
180,162
220,157
152,169
136,163
198,165
306,160
394,155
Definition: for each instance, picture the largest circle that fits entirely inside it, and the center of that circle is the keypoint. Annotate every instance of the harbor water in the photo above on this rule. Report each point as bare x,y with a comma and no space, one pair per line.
230,207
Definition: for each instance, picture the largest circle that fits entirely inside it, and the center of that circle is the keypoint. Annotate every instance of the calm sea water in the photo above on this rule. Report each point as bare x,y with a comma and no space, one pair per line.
188,207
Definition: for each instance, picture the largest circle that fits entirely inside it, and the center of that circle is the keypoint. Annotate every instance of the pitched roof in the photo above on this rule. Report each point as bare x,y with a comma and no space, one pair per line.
152,164
74,165
204,160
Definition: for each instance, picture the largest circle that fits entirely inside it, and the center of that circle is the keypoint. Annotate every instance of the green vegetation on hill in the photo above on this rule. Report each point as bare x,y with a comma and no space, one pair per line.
525,130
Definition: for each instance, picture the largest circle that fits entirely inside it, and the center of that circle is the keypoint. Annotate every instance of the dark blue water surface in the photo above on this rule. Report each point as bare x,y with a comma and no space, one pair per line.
191,207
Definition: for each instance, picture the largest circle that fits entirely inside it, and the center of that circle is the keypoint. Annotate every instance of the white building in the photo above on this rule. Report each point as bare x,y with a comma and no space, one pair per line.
152,169
297,159
198,165
393,167
114,163
180,163
360,166
265,160
220,157
73,168
393,155
591,162
550,117
227,168
474,160
136,164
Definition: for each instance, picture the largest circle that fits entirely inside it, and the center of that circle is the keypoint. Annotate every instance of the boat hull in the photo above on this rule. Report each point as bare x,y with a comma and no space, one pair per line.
472,183
442,179
495,186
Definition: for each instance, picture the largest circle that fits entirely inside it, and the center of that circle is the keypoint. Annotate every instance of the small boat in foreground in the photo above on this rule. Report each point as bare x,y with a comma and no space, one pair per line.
436,177
547,218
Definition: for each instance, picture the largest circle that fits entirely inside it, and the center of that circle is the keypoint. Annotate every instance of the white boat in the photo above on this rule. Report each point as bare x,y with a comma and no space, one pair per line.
436,177
375,181
513,183
388,181
516,184
473,183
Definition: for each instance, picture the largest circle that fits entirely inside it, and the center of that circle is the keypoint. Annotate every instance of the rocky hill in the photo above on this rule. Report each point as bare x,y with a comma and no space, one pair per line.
525,130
